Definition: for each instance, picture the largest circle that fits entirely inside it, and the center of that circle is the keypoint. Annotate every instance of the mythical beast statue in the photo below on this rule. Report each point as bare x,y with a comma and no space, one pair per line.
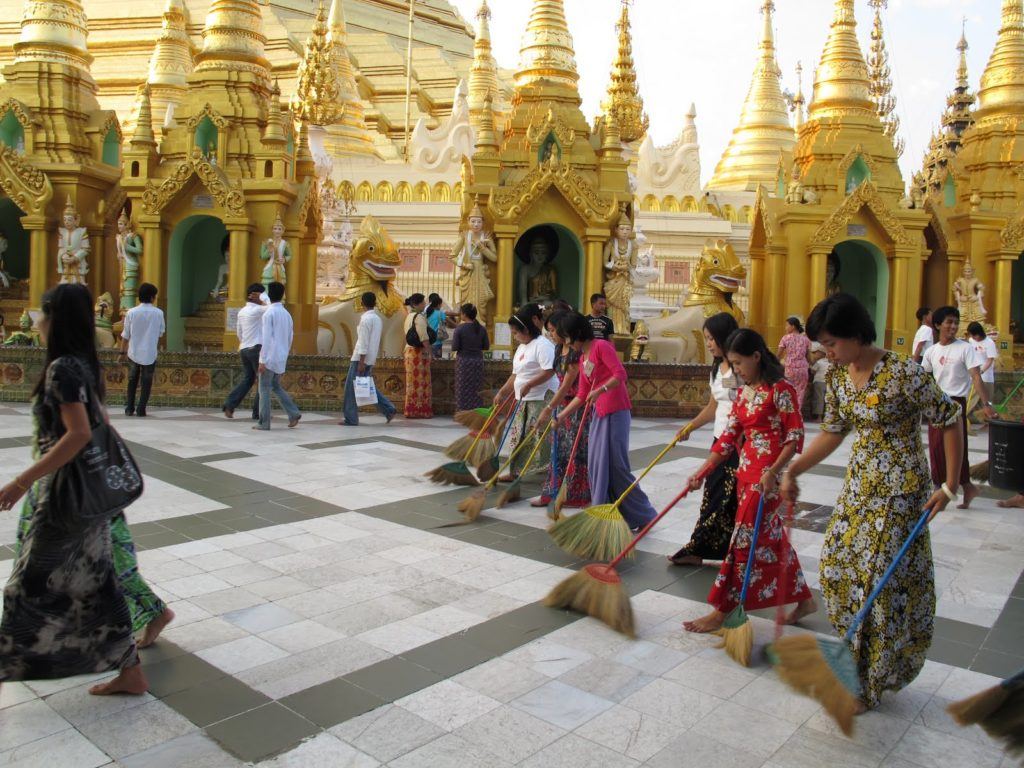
678,338
373,266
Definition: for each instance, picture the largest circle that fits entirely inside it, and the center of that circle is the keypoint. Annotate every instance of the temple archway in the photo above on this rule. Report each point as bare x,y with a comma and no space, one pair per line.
194,259
1017,299
15,258
565,257
935,288
864,272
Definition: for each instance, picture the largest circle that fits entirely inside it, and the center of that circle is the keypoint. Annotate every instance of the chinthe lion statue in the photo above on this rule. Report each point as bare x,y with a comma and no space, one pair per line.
373,266
679,338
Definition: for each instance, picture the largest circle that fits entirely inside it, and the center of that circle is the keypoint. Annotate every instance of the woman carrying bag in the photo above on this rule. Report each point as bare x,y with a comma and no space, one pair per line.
418,341
64,610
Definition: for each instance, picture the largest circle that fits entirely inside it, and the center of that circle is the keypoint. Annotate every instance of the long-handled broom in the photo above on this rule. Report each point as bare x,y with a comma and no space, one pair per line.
999,710
596,589
488,468
599,531
513,491
823,667
737,632
558,500
478,444
456,472
473,505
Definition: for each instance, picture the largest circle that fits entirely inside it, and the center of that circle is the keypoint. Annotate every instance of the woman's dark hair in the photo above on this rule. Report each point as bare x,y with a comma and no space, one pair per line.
976,329
433,303
71,332
416,298
720,327
469,311
524,323
843,316
561,305
795,322
575,327
939,315
746,342
922,313
555,318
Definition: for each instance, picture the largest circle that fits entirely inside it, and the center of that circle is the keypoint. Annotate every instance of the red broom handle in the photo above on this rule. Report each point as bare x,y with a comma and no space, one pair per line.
636,539
576,443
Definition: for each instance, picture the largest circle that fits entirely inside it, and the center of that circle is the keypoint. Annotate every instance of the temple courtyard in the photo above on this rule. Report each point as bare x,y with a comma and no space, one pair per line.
329,614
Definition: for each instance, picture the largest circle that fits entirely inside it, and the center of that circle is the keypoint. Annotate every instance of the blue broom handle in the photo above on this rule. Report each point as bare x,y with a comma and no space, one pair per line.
752,552
862,614
508,427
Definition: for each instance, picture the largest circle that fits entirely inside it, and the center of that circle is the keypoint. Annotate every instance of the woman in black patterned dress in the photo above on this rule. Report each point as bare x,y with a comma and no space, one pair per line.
64,612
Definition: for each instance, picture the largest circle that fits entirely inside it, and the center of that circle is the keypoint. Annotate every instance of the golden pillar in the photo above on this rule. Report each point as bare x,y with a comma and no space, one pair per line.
818,281
239,231
1001,286
301,294
153,269
506,274
902,303
774,294
593,267
39,260
755,289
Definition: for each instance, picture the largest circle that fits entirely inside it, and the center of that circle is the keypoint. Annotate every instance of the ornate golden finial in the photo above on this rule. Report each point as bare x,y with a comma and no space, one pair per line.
233,39
546,53
143,136
841,83
799,101
1002,84
274,133
764,128
475,212
483,74
881,80
54,32
70,210
623,93
487,137
171,62
305,165
316,98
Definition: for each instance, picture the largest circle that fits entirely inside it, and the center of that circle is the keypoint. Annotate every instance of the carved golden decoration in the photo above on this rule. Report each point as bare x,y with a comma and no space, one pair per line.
866,195
553,123
231,198
841,86
21,113
850,157
624,100
22,182
512,202
207,111
1012,235
761,209
317,94
112,123
112,205
880,86
546,55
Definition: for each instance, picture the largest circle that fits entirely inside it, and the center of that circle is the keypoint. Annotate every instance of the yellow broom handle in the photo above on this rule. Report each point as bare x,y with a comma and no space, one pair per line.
494,412
511,457
537,444
650,466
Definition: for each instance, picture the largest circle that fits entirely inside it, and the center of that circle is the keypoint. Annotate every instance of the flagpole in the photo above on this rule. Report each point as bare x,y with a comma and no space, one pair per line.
408,78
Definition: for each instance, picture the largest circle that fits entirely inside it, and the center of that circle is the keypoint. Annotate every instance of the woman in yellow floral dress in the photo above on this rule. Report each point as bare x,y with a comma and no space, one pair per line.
882,396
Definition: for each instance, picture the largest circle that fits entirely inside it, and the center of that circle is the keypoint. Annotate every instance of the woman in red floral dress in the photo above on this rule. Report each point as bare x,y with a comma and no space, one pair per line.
767,416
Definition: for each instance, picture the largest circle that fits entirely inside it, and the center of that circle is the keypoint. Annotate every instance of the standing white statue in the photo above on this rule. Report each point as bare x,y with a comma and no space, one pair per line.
277,253
72,247
220,288
969,293
471,254
645,272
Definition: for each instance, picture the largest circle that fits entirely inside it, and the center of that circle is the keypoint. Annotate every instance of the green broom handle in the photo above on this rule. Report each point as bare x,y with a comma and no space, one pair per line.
494,412
1013,392
668,508
862,614
647,469
752,551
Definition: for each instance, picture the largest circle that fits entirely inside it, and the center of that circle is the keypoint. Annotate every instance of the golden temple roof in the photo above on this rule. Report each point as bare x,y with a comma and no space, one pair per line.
1002,84
841,85
881,80
546,55
171,61
54,31
233,39
764,130
624,101
483,74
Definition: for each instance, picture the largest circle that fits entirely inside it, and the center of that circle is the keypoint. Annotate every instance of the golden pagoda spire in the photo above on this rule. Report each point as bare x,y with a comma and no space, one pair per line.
487,137
546,54
54,32
336,33
317,94
274,133
624,99
233,39
171,62
1002,84
799,100
483,74
764,129
880,86
142,136
841,85
960,103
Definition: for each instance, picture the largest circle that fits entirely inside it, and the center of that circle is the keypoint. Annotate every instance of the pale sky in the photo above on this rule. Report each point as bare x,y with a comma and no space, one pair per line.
704,51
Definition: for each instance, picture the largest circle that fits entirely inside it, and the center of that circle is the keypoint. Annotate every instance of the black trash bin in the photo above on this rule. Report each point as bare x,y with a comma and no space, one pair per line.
1006,455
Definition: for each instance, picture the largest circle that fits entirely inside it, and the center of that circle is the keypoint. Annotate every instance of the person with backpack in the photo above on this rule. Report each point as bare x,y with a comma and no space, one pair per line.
419,338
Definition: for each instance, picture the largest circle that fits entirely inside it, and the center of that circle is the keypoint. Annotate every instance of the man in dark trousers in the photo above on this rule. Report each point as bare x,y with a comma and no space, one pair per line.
249,329
143,327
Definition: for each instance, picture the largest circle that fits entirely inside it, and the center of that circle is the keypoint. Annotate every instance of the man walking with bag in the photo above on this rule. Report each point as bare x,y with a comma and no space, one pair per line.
143,327
277,343
364,356
249,329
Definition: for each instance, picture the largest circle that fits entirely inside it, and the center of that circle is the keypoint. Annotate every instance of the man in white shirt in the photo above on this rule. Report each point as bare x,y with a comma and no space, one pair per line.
143,327
925,335
249,329
277,343
364,356
955,366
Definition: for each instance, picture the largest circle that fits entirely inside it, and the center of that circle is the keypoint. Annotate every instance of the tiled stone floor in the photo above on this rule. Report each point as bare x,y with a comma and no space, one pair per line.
329,614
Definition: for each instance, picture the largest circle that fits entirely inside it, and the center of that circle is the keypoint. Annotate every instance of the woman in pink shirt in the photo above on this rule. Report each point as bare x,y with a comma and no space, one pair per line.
602,383
793,349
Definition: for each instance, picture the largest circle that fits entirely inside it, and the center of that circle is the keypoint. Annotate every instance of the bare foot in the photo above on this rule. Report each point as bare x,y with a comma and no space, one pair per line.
710,623
130,681
971,492
155,627
685,560
803,608
1014,502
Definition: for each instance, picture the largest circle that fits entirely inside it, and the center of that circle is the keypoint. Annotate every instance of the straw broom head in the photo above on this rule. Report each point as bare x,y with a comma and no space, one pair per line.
452,473
486,470
737,633
596,591
597,533
473,505
510,495
473,419
471,450
818,669
979,472
999,711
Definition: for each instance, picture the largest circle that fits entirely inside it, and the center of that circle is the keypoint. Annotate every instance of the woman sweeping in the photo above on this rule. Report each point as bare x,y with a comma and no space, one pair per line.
469,342
793,349
574,473
602,383
64,612
533,382
710,537
882,396
766,416
418,394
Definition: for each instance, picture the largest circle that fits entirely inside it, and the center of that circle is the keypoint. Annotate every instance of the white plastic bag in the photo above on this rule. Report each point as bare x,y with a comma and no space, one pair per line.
366,390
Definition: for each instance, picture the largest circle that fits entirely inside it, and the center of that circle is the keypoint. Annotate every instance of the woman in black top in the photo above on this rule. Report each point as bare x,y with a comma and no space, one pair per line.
469,341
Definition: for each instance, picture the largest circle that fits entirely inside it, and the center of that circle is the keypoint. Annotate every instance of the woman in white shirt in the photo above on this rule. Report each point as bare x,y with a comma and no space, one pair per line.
987,354
710,537
533,382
